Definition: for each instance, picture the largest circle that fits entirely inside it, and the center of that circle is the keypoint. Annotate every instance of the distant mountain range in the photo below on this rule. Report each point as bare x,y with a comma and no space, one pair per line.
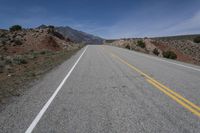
75,35
79,36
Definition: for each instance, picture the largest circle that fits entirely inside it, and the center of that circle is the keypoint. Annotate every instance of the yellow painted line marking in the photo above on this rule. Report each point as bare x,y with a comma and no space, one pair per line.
174,95
175,98
178,95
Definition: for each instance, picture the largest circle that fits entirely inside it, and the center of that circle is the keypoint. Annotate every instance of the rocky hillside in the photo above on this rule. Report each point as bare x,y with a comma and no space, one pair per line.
26,40
182,48
79,36
25,54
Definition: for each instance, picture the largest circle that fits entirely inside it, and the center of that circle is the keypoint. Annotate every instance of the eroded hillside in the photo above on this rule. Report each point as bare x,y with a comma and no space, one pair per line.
182,48
25,54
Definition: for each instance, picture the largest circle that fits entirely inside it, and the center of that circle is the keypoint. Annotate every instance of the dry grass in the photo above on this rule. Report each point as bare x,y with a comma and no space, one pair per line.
15,81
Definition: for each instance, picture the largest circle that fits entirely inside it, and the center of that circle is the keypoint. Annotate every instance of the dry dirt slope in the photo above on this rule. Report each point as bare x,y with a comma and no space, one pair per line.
26,54
184,47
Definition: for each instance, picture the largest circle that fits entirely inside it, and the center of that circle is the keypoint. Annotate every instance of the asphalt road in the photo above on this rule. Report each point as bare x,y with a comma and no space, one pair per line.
109,89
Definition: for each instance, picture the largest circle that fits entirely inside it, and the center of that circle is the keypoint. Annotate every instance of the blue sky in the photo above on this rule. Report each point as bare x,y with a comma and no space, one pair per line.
107,18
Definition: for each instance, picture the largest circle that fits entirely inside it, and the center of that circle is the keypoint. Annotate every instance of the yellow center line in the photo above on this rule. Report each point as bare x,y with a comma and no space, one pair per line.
174,95
175,98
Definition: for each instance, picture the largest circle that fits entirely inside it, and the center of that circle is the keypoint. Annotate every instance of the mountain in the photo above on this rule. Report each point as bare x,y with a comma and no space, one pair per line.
79,36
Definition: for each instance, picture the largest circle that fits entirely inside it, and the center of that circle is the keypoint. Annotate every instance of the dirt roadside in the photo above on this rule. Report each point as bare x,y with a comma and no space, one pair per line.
15,82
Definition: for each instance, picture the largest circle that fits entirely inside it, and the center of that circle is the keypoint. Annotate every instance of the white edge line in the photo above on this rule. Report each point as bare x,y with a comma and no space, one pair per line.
45,107
159,59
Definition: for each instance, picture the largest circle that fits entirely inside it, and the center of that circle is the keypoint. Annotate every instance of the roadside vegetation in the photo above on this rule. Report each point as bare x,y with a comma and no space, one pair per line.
128,46
169,55
141,44
109,41
156,52
197,39
15,28
182,50
25,55
18,71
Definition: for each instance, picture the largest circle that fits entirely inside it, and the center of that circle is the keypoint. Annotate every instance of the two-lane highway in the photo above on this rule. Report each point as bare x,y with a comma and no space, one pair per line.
109,89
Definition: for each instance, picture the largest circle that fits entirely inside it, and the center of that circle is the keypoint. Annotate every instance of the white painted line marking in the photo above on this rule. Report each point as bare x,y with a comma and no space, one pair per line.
157,58
45,107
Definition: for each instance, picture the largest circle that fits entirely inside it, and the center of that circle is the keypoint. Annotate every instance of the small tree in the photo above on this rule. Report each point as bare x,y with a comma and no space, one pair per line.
156,52
15,28
197,39
141,44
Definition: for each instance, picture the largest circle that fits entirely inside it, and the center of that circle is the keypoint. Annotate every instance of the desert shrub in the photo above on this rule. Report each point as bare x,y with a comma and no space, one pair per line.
15,28
2,64
51,26
141,44
169,55
5,48
1,57
51,29
1,69
2,35
109,41
31,50
156,52
9,69
197,39
18,42
43,52
49,53
128,46
33,55
19,60
8,60
58,35
3,42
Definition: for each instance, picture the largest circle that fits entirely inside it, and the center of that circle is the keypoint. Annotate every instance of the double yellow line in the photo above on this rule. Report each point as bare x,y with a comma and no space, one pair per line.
172,94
